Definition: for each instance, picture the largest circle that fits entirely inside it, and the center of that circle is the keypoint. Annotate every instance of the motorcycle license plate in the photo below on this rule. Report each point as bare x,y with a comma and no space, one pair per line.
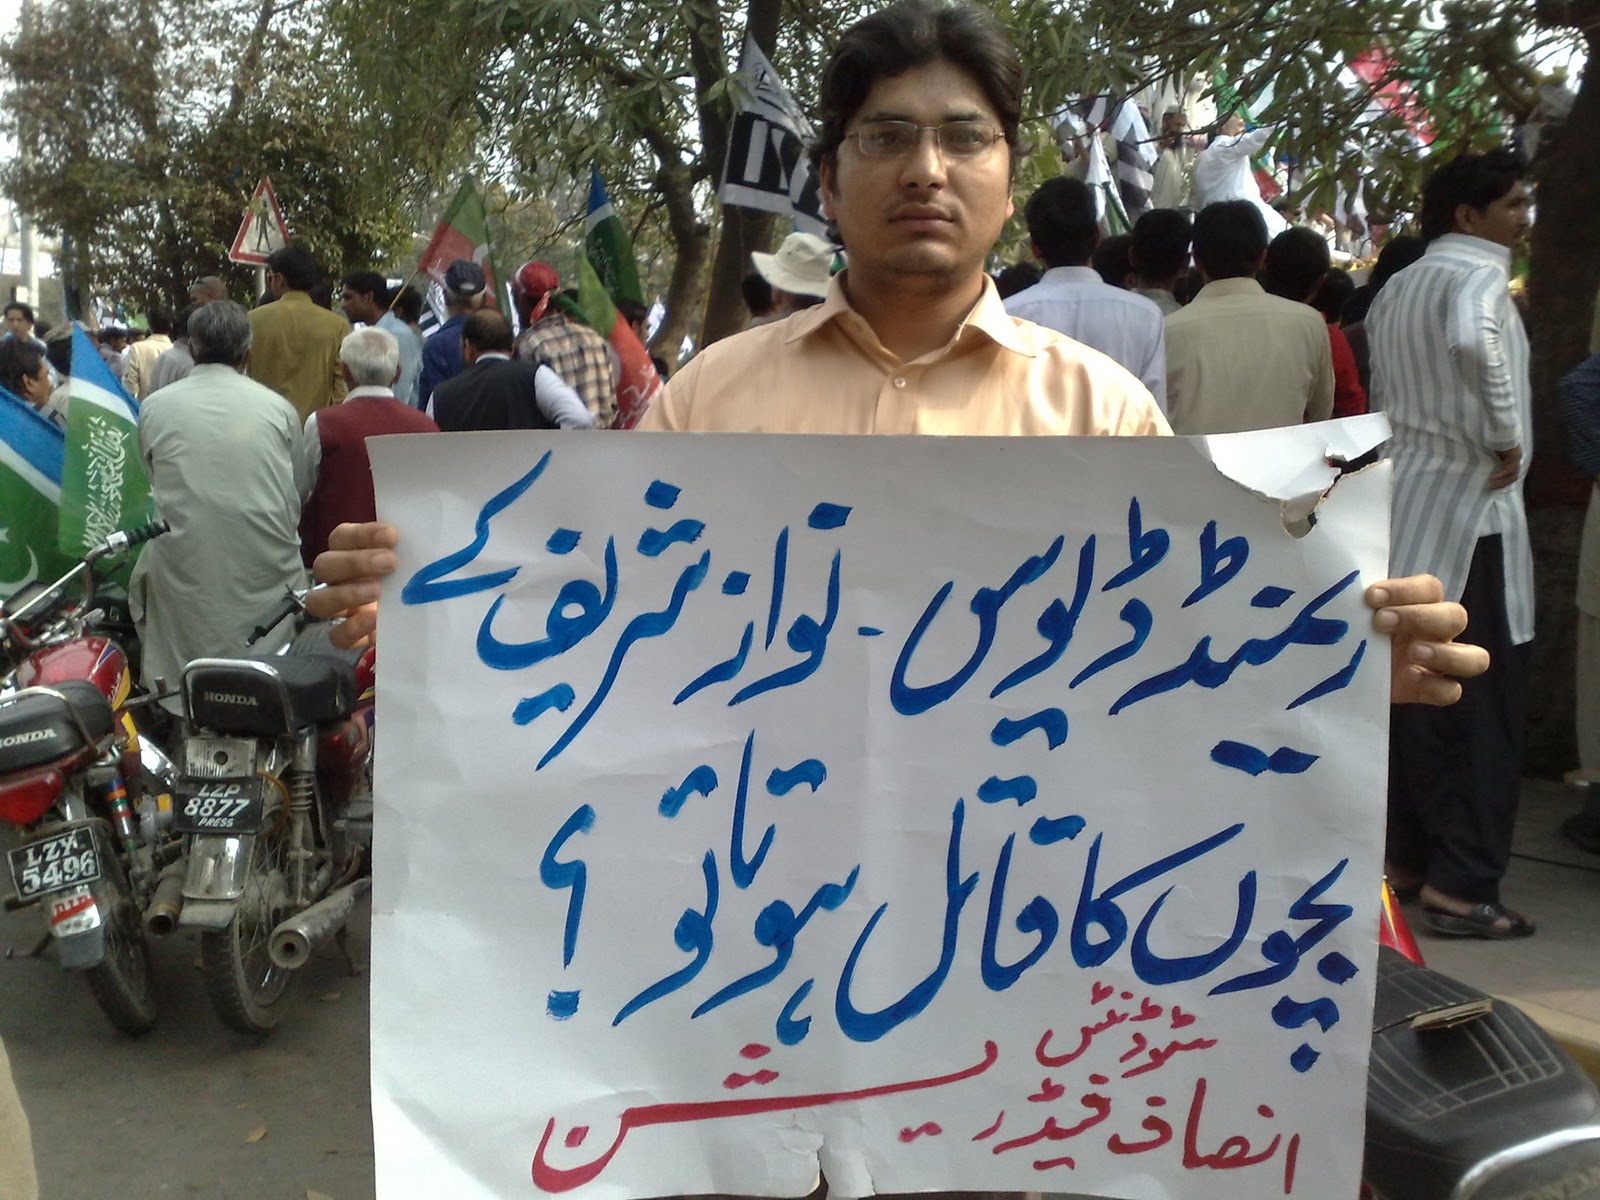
54,864
226,806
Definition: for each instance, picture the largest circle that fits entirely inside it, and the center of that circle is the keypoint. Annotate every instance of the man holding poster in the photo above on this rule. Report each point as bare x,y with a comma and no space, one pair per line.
920,107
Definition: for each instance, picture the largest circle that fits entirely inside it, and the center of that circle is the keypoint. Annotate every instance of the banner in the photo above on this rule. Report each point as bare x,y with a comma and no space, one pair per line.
103,482
606,243
463,232
939,813
766,166
31,450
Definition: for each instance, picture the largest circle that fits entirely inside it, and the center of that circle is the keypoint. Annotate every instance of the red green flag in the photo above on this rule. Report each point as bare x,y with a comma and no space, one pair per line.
639,383
463,232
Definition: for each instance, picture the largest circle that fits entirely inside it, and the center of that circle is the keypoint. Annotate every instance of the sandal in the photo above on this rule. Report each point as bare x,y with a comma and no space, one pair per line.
1493,921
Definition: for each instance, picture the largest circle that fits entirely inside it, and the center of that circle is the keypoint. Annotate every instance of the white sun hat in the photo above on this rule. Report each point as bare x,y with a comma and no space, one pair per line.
802,265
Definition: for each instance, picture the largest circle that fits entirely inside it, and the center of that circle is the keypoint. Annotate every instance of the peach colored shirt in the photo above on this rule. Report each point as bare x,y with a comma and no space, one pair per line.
823,370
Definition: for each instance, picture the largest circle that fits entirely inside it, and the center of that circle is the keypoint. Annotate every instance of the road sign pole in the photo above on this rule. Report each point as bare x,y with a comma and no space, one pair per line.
261,281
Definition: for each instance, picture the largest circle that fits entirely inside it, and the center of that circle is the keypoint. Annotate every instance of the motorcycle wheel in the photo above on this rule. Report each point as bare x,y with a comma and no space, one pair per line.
121,984
246,988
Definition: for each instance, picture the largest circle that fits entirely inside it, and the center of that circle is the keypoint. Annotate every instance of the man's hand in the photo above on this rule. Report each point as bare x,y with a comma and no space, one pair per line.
1426,660
352,568
1506,473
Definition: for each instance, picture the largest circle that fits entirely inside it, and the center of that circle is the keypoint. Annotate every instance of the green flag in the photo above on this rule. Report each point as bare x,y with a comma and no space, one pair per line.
103,484
606,243
31,450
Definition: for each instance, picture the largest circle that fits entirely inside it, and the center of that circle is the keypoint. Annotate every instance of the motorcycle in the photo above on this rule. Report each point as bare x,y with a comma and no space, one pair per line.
89,795
1467,1098
274,799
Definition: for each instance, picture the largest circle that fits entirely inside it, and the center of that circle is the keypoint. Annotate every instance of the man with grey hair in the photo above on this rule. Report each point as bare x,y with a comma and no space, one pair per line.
223,456
335,444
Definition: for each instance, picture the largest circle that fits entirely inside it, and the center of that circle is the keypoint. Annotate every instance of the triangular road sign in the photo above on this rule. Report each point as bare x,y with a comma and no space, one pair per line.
263,229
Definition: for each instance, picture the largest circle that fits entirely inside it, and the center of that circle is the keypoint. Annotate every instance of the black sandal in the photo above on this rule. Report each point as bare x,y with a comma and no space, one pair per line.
1484,921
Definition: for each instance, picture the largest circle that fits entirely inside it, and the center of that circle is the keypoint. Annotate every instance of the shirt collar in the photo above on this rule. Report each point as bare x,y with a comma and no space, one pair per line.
1244,286
486,355
368,389
987,317
1469,246
1071,275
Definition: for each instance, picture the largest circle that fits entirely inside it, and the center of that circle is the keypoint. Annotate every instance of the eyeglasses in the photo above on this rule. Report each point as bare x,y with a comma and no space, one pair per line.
956,139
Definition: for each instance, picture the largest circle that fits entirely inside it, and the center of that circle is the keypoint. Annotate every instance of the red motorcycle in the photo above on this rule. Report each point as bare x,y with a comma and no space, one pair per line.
90,797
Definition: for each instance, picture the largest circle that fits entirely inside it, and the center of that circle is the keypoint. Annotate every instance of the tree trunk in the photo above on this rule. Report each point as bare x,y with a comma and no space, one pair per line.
691,240
1563,275
743,229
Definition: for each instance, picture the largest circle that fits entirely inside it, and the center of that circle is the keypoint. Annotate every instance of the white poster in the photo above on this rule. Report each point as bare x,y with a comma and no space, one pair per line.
936,813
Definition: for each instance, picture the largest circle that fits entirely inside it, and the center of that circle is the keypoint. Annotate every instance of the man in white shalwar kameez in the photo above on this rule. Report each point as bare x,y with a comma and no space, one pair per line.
226,473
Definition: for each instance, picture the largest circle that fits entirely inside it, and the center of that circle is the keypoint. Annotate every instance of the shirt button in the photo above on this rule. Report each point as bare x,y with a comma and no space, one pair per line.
899,381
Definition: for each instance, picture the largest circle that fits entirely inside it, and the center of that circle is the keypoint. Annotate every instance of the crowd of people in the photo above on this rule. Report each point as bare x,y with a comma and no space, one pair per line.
254,422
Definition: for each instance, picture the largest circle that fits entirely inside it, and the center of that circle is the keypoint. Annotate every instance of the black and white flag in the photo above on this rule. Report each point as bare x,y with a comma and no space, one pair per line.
767,166
1136,151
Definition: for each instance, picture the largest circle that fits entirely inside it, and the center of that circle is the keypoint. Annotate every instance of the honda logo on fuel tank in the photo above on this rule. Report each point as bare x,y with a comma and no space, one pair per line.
27,739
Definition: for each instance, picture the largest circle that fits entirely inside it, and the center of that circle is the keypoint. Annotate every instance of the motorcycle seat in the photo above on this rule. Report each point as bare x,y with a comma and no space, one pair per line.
322,687
38,728
270,694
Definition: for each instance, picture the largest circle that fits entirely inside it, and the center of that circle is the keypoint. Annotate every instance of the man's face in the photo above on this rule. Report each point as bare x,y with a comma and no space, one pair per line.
1174,123
358,306
1234,124
19,325
1504,221
920,220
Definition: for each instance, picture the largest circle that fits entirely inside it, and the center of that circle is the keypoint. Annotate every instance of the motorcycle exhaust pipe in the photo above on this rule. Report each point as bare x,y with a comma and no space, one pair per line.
297,939
161,917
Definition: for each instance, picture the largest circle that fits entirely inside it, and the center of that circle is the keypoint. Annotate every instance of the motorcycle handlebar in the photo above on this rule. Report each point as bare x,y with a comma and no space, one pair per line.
127,539
122,540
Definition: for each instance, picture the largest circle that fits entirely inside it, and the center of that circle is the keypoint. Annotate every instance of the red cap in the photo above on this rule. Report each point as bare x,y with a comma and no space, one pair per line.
535,279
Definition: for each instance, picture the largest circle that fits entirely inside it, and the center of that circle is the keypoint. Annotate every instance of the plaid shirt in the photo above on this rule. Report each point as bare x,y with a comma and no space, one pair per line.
583,359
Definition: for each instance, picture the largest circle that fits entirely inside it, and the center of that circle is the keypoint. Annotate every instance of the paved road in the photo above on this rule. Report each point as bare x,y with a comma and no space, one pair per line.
171,1114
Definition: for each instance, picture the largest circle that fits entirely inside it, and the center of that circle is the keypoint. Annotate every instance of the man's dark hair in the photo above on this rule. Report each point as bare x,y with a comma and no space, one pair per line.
757,293
1297,263
180,327
160,322
1017,277
1333,295
632,311
1061,221
1229,239
18,358
58,348
298,268
1476,180
1160,247
408,305
1112,260
488,330
371,283
914,33
1397,254
19,306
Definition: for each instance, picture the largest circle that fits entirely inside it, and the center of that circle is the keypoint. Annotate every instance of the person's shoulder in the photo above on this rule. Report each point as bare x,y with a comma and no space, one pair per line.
1066,353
